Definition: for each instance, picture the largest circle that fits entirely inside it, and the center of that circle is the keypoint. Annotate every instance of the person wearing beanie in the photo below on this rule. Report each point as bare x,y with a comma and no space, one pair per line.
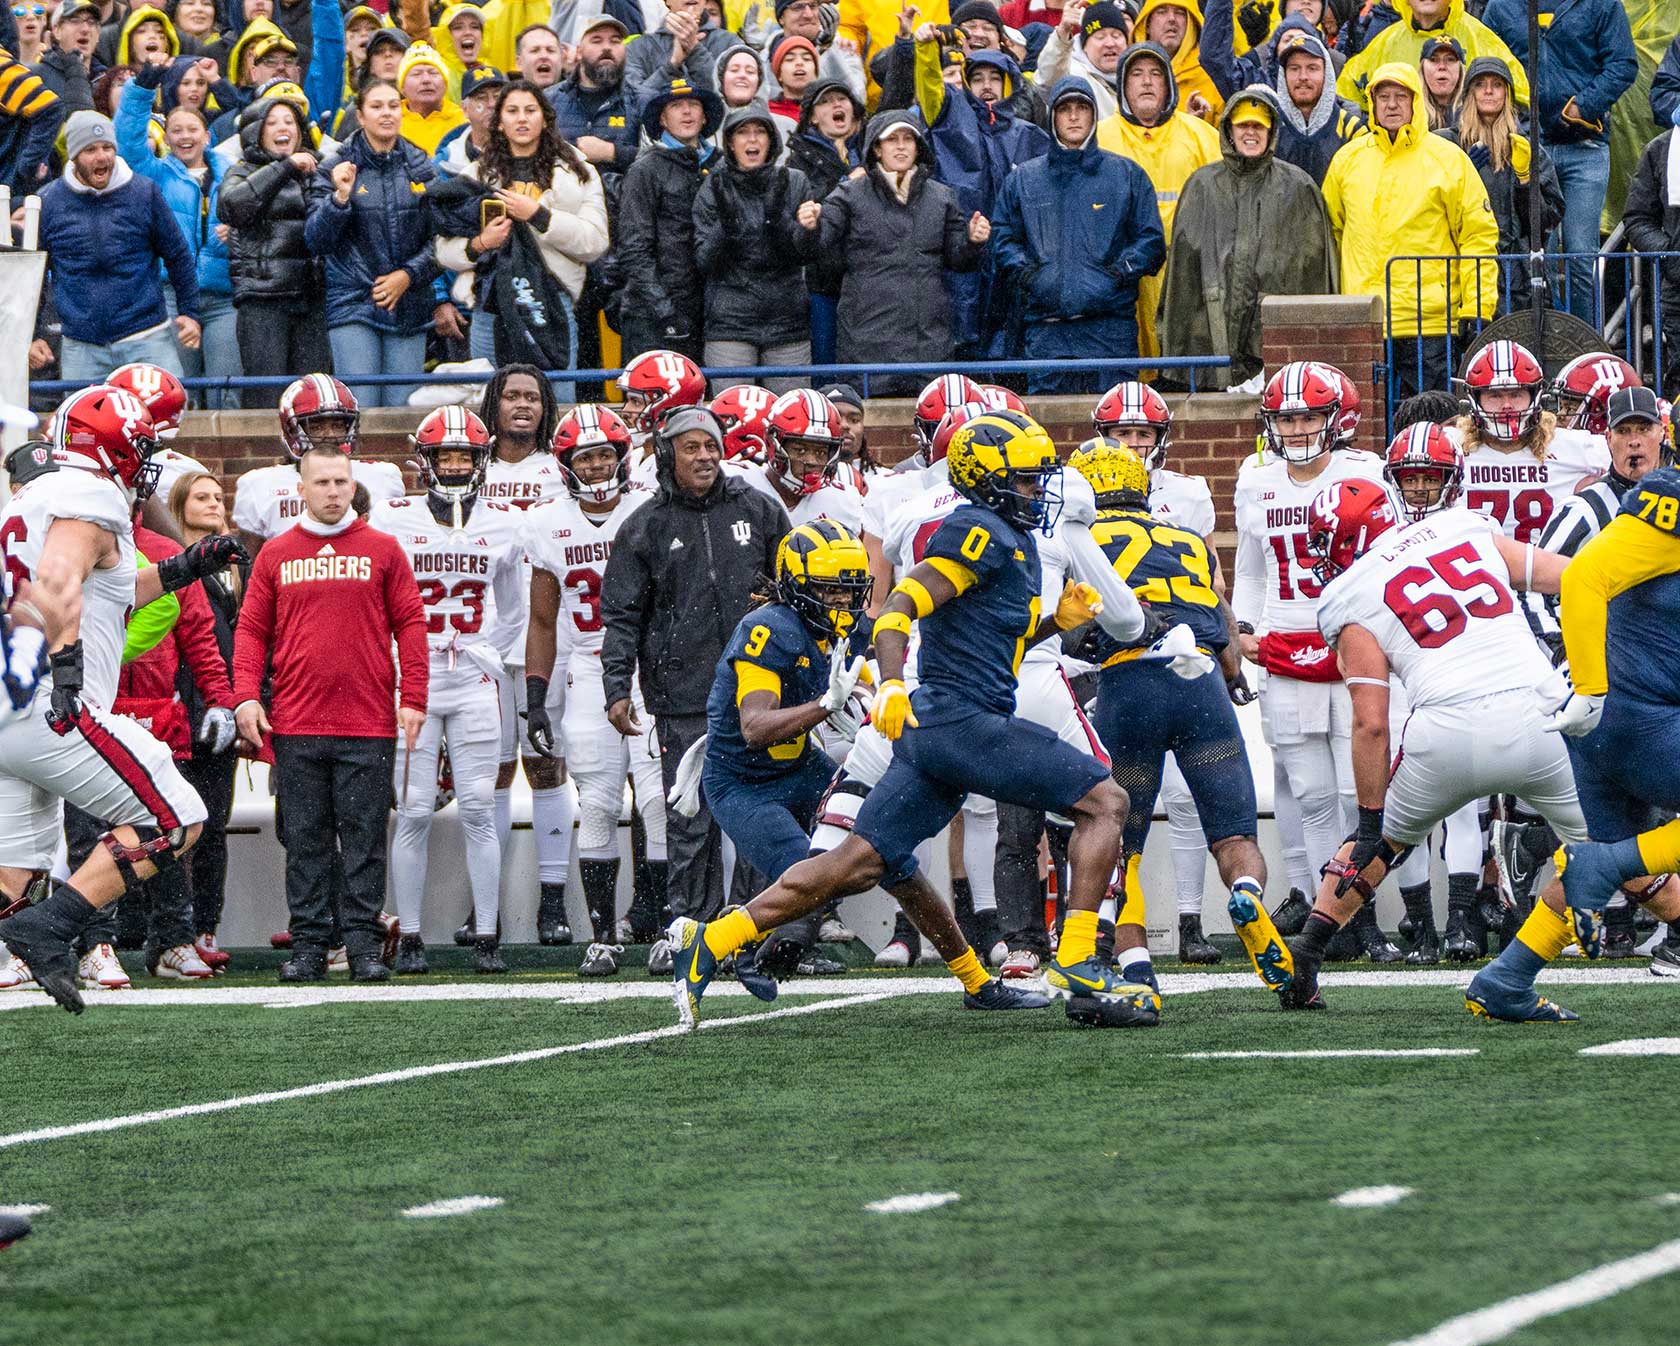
1075,231
856,462
428,112
109,237
793,65
1087,43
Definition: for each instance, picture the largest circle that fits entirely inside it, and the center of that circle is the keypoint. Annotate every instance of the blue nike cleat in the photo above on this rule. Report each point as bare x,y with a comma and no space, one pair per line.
1000,995
1589,931
1487,998
1137,1007
1092,977
1590,876
747,971
692,968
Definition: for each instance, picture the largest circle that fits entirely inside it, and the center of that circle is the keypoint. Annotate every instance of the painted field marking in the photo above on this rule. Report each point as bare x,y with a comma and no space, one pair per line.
1667,1198
24,1211
412,1073
1333,1053
912,1202
1500,1320
1635,1047
459,1205
1365,1198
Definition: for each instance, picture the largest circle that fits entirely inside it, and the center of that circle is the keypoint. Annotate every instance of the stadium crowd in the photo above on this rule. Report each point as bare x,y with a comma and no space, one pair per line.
258,188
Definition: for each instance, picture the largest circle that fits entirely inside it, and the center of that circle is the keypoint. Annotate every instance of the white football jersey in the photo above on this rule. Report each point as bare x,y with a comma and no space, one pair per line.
1438,598
1519,491
269,500
834,501
107,595
1271,510
890,490
573,547
534,477
1181,500
470,578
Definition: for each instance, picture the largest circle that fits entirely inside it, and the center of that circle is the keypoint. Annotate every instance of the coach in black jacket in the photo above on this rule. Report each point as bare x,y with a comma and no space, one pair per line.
682,573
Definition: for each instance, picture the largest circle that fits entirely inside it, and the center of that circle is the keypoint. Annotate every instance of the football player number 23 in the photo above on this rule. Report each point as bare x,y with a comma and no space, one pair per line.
469,593
1432,617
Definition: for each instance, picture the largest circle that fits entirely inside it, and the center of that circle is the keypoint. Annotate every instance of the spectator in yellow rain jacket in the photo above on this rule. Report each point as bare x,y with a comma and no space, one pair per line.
428,112
1403,41
1176,27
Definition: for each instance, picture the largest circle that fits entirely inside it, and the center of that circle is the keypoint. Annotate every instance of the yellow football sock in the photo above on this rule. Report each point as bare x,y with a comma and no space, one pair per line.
1079,938
1131,912
965,967
1546,932
1660,848
731,931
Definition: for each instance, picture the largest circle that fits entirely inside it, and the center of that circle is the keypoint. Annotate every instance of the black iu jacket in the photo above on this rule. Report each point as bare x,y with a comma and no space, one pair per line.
681,575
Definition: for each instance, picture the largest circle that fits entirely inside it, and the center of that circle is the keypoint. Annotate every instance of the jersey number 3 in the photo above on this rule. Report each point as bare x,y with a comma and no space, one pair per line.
1414,597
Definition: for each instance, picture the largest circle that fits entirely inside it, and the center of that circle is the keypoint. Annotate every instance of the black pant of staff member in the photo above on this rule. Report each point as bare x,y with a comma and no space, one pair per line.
324,604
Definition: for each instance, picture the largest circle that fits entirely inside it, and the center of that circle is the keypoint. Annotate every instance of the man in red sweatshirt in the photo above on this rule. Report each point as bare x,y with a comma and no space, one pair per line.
324,603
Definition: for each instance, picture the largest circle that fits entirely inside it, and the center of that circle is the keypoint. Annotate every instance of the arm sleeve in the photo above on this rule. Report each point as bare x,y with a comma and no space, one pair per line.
1055,56
579,236
245,196
625,589
134,112
327,220
710,242
1148,247
1626,553
637,255
1009,242
171,245
323,82
252,636
1643,214
1216,51
898,76
195,639
1248,591
960,254
930,86
408,627
1618,66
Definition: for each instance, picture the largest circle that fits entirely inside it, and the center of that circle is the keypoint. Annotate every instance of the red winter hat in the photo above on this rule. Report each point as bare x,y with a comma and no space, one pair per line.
788,43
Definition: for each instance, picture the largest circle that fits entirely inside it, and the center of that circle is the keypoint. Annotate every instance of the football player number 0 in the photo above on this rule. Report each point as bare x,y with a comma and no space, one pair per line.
1411,598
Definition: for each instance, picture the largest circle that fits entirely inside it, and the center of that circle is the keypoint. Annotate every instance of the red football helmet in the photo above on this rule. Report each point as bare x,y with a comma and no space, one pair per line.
945,392
1303,388
452,428
1424,450
1135,407
318,412
952,421
590,426
1344,519
804,417
1347,422
655,382
159,391
1583,388
108,430
1504,366
745,413
998,398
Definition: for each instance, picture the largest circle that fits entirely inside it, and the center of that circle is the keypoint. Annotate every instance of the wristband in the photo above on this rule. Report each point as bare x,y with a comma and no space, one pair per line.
536,692
1245,628
66,666
892,621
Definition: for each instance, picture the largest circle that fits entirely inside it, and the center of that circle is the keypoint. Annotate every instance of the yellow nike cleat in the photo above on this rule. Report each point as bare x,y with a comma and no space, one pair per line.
1273,963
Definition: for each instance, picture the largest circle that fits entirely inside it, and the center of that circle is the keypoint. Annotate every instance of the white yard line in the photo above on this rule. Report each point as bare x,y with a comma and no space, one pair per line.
1635,1047
1366,1198
412,1073
24,1211
911,1202
1332,1054
459,1205
1500,1320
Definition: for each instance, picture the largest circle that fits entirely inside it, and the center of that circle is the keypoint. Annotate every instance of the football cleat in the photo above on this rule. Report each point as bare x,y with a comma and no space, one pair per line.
998,953
997,995
1290,918
1271,958
551,916
13,1228
280,939
99,970
1021,965
1302,992
692,967
16,976
1426,946
759,975
1517,866
1487,998
466,932
1375,946
369,967
40,938
338,960
211,952
659,958
600,960
1665,961
896,954
1193,946
1619,942
1589,931
411,957
487,955
1140,1007
930,957
307,963
834,931
1086,979
816,963
1457,942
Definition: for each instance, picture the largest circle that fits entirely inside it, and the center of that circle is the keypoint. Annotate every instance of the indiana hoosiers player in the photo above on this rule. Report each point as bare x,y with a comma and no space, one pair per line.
1434,603
1582,390
977,598
165,398
568,541
652,384
1135,415
1304,709
744,413
468,562
316,411
804,436
520,412
67,536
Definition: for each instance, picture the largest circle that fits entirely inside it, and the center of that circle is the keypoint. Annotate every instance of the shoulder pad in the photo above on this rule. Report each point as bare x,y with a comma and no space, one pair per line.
1655,500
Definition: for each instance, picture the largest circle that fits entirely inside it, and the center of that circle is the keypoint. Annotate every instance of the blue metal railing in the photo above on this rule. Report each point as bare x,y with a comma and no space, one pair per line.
1427,335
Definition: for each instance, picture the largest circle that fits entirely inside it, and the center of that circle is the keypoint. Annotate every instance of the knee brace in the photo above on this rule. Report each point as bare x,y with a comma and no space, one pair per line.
159,848
837,813
1389,855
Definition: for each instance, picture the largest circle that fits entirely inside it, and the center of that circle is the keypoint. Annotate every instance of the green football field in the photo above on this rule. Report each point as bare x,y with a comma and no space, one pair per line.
654,1187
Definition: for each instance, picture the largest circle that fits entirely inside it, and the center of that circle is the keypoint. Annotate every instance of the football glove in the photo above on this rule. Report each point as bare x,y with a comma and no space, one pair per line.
1367,844
205,557
1078,604
890,711
539,729
217,729
843,676
66,706
1572,713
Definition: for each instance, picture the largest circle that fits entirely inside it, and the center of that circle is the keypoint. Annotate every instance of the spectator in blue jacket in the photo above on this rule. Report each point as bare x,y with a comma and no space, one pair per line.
104,230
373,227
592,108
1665,87
1074,231
1587,62
189,179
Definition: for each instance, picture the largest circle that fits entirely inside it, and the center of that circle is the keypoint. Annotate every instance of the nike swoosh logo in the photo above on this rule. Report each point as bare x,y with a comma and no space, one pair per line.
1072,977
694,973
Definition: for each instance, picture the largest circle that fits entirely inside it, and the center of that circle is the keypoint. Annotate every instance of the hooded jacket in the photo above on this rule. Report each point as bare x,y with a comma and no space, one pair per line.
894,306
444,45
1588,55
1310,140
125,34
749,246
1187,69
191,200
765,84
1258,65
386,226
1508,188
824,170
1402,44
1076,230
1170,151
1225,255
1412,194
1652,217
266,203
647,60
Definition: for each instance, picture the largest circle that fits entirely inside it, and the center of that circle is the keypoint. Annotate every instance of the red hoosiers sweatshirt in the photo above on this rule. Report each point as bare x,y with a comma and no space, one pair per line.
327,609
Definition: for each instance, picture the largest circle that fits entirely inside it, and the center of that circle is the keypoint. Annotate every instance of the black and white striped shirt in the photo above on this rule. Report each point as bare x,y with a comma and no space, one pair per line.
1577,522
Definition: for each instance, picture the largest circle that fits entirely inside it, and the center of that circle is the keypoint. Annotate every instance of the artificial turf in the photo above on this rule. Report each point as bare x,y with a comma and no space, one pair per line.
713,1187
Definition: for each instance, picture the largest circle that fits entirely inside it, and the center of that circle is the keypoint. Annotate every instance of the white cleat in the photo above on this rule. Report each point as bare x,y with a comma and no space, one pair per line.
1021,965
100,970
182,963
338,960
835,931
659,958
896,954
998,954
15,975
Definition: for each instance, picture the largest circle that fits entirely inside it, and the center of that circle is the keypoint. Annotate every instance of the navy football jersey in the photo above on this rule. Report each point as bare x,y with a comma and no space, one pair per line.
1169,568
971,647
774,641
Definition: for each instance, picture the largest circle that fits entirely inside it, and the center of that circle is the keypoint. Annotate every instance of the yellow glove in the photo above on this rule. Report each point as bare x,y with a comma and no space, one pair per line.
1077,605
890,711
1521,157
